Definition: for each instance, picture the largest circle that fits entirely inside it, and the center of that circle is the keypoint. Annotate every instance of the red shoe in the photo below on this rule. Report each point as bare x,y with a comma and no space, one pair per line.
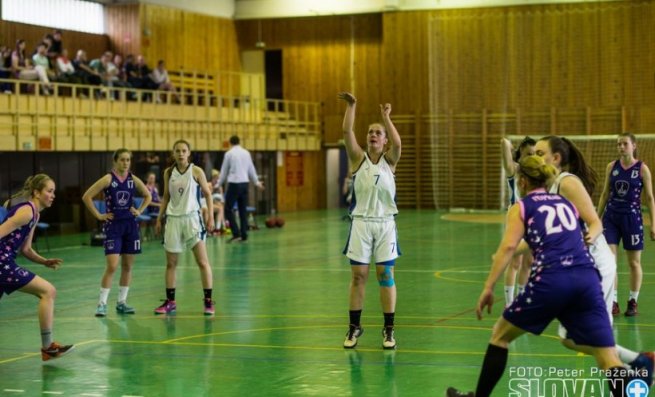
631,311
55,350
616,310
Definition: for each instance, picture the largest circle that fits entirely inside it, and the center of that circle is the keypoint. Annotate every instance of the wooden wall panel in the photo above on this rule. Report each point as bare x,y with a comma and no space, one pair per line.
187,40
94,44
538,57
123,28
325,55
309,196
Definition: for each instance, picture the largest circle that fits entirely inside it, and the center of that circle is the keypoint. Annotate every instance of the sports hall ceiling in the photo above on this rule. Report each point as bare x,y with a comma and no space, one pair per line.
263,9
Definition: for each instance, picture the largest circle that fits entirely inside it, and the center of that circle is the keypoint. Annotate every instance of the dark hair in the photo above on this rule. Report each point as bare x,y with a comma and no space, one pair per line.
573,161
527,141
234,140
120,151
633,139
182,141
18,51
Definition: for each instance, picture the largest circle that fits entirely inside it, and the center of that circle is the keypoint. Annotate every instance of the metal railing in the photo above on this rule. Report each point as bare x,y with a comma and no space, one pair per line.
82,118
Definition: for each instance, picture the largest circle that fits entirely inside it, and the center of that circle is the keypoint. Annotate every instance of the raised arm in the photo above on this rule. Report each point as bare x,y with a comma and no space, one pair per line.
508,161
394,138
602,201
648,195
354,151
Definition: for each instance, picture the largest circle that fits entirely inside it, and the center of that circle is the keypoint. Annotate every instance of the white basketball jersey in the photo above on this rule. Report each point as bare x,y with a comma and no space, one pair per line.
554,188
374,190
184,193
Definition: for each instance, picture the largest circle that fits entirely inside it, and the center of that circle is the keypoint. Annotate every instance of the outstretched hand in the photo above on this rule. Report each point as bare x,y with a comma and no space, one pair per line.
348,97
486,300
53,263
385,109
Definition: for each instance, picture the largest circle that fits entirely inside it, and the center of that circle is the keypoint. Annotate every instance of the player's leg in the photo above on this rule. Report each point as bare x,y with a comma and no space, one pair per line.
495,360
206,277
46,293
111,264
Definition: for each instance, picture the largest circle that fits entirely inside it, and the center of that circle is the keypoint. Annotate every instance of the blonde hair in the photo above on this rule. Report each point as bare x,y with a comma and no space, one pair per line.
536,171
32,183
215,173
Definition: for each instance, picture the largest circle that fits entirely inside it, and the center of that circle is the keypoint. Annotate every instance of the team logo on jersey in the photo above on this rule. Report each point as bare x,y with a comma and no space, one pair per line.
123,198
622,188
615,172
635,174
114,184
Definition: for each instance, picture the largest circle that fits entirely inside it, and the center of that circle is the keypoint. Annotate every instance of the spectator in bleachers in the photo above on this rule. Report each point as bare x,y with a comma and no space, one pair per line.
42,66
5,69
84,71
56,48
22,67
138,73
66,69
101,67
160,77
114,73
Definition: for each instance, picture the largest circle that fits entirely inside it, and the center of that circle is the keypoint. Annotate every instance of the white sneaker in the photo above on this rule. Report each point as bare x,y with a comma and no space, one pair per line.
388,341
351,336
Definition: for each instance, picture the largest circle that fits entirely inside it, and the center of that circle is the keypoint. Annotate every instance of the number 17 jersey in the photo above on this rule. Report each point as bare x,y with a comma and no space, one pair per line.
553,232
374,190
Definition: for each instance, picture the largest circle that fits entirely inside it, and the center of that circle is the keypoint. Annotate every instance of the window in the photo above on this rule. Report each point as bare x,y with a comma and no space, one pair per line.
82,16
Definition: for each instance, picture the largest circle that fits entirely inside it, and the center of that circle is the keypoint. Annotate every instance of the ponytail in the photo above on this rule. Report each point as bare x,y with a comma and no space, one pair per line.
573,161
32,183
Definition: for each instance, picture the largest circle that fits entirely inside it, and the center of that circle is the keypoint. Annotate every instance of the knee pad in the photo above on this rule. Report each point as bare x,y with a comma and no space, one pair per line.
386,278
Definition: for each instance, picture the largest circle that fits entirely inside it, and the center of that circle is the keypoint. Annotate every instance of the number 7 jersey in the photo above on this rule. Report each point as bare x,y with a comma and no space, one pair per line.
553,232
374,190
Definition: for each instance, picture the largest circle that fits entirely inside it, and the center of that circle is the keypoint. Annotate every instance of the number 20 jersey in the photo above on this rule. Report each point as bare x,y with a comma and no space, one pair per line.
552,230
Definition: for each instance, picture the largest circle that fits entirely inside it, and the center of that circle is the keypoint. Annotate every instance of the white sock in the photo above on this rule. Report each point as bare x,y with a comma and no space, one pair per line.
626,356
634,295
616,296
509,294
104,294
122,294
521,289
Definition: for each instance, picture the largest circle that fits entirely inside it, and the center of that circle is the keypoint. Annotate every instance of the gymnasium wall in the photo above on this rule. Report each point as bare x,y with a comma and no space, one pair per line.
93,44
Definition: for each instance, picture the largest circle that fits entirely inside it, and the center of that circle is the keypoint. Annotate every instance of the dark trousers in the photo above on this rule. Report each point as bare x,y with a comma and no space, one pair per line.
237,193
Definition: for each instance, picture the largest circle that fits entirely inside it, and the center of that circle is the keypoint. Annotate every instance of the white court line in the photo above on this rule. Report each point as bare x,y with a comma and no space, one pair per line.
14,391
53,392
91,394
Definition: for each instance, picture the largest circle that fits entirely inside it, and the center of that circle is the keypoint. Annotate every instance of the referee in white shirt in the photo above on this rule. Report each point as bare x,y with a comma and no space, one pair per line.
238,170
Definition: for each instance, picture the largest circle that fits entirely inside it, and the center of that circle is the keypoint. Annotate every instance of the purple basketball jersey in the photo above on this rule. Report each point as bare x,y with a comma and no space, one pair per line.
119,196
625,188
11,243
553,232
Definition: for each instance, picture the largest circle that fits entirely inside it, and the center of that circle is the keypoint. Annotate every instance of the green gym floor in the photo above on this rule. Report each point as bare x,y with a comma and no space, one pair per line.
282,312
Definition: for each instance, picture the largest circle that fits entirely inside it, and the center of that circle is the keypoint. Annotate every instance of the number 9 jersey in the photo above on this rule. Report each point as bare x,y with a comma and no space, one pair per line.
553,232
